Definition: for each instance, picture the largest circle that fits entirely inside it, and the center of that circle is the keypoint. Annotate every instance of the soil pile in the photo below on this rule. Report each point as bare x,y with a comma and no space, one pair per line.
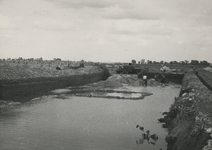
154,70
119,80
125,79
165,69
208,69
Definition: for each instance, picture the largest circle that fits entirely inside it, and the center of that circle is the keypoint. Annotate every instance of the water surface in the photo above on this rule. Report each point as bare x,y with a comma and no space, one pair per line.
86,123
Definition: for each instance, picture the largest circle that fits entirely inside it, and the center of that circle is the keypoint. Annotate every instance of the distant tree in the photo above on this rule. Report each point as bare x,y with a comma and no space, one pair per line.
133,61
204,62
82,63
173,62
161,62
186,61
149,62
40,59
30,59
57,59
194,62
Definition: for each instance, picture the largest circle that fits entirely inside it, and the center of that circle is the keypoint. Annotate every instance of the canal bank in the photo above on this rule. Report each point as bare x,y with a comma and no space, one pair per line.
23,89
189,120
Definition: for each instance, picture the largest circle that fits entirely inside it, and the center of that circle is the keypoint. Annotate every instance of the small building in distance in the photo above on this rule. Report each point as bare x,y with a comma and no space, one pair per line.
142,61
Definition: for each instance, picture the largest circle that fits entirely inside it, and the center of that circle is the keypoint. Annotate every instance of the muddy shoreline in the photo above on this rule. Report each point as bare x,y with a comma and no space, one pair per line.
189,120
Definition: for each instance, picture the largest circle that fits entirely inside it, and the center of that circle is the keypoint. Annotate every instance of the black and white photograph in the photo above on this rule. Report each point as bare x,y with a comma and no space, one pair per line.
105,74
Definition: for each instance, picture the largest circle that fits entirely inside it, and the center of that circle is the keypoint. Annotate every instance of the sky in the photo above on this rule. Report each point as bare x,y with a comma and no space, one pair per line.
106,30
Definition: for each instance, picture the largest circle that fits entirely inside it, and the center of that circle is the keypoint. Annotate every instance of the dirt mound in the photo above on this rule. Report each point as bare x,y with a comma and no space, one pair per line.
208,69
125,79
165,69
154,70
118,80
108,84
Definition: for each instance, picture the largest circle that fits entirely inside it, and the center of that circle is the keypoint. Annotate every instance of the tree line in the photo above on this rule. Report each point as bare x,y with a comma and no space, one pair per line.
192,62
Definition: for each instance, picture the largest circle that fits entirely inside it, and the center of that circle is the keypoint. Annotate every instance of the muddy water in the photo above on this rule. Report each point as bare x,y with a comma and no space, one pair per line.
78,123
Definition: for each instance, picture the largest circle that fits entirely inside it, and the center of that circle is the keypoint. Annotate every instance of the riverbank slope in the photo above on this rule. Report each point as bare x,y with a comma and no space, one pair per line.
189,120
21,82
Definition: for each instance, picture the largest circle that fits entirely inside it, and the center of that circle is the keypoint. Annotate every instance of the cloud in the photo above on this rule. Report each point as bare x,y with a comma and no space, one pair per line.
119,9
134,13
141,32
52,25
7,26
78,4
6,22
140,28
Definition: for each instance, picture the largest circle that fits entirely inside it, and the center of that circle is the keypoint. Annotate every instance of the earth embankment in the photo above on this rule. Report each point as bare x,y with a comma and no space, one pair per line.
205,76
18,83
189,120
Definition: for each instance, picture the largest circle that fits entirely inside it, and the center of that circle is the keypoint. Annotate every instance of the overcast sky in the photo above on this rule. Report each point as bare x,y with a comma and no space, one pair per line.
106,30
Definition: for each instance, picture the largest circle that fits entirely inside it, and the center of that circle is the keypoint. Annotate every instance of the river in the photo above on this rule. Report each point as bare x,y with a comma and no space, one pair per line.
82,123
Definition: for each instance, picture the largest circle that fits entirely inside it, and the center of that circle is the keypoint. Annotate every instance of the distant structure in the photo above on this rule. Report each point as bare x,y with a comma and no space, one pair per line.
142,61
